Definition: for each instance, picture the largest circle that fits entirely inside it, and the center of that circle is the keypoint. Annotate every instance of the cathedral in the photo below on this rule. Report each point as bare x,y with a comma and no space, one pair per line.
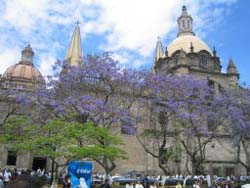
187,54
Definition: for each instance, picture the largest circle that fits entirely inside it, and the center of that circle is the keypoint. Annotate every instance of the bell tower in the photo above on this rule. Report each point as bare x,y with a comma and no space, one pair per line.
185,22
27,55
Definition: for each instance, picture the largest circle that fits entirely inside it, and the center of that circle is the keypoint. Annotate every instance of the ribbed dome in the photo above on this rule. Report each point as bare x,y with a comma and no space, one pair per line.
24,72
24,75
184,42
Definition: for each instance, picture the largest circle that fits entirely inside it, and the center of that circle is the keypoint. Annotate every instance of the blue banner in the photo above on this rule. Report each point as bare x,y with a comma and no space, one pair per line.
80,173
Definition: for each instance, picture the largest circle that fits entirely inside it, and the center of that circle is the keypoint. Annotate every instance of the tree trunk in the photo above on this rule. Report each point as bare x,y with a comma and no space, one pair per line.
56,171
163,167
196,167
107,164
247,155
52,170
248,171
110,166
193,168
186,165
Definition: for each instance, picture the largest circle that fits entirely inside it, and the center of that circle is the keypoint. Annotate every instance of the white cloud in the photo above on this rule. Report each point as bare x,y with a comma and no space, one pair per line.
125,25
123,57
9,57
47,61
135,25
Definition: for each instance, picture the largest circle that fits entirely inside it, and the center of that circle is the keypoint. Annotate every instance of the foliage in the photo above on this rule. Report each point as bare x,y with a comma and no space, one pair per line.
71,140
181,107
93,94
239,123
13,130
61,138
9,106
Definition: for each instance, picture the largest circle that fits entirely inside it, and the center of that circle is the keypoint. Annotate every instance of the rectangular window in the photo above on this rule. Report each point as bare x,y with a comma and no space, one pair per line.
203,61
217,171
12,158
229,171
163,118
188,24
183,24
211,123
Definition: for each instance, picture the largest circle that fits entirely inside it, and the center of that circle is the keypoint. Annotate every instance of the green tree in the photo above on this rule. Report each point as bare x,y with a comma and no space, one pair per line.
60,138
96,143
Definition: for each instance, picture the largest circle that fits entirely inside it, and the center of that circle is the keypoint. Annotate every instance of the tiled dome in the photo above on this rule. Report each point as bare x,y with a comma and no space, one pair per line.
23,72
24,75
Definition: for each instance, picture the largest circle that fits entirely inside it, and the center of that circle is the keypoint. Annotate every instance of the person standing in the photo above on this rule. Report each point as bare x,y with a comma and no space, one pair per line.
209,181
6,176
1,174
129,185
178,185
153,185
1,183
196,185
161,185
67,182
105,184
139,185
145,182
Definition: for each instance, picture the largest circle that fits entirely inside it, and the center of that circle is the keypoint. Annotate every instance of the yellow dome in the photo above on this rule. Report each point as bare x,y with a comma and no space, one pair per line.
184,42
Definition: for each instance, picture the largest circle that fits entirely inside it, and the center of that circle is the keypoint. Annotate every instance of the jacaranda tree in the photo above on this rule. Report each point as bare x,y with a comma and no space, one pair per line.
182,107
238,102
99,92
185,112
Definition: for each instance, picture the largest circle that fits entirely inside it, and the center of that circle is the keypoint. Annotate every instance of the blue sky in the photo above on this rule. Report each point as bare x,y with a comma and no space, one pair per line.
128,28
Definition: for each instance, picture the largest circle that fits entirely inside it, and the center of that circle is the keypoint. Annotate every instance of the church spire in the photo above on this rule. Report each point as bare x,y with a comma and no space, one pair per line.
185,22
158,50
231,68
74,53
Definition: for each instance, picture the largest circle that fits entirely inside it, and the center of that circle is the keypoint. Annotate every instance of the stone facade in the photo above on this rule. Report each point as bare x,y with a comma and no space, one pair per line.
21,77
187,54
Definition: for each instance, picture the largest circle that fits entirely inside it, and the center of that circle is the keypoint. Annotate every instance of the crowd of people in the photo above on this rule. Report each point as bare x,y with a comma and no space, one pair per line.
40,178
19,178
10,178
180,181
196,184
7,175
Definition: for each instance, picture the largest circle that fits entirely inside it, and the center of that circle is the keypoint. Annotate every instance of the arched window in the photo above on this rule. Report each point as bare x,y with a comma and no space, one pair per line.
211,84
188,23
203,60
176,57
163,118
183,24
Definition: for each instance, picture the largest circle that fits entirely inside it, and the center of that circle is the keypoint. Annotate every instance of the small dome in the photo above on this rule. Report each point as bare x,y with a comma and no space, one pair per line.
24,75
23,72
184,42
